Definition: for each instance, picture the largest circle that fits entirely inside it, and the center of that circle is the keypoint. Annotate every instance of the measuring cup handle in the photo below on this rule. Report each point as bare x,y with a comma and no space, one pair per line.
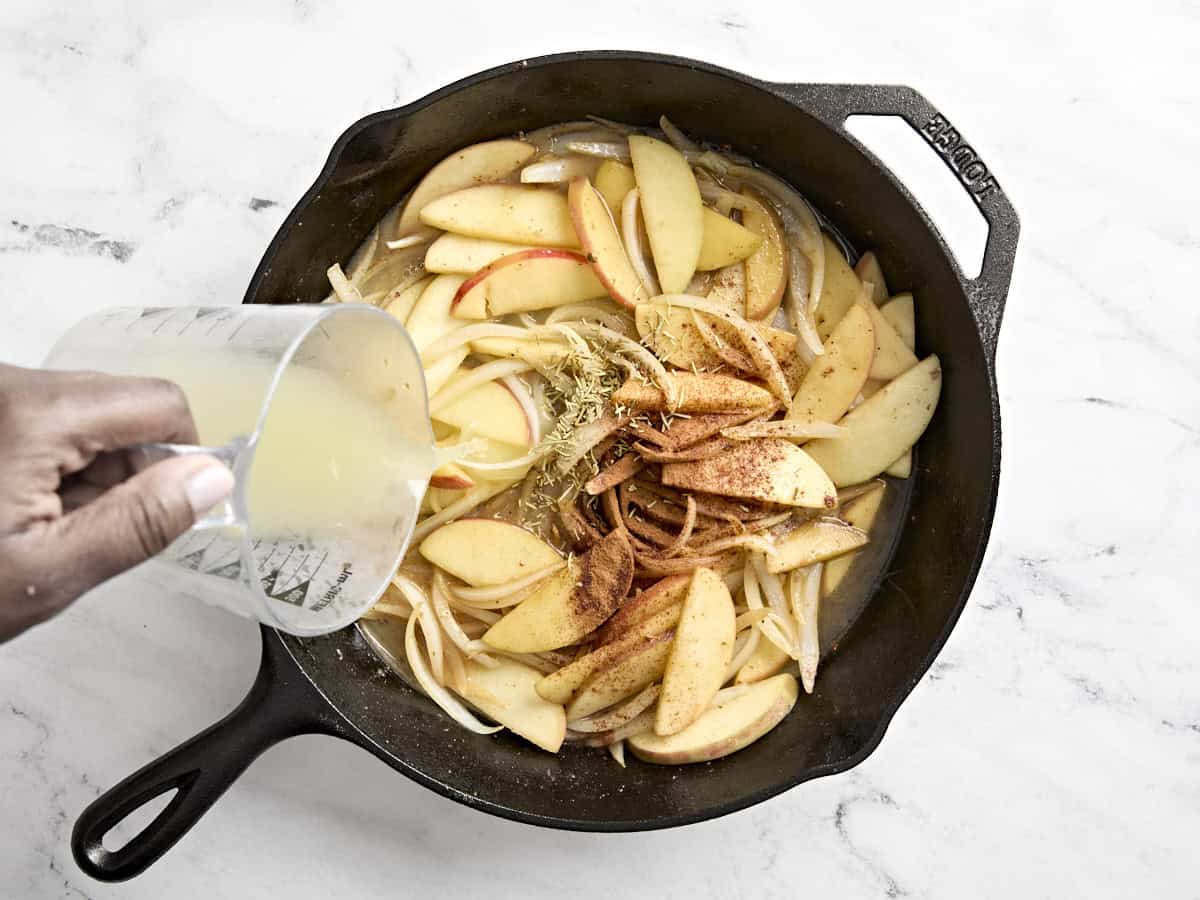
232,454
282,703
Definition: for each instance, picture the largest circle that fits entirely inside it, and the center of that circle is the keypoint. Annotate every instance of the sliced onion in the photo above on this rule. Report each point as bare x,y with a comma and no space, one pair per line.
543,138
704,450
475,650
558,169
576,311
725,695
449,704
415,239
678,139
364,256
744,648
770,627
584,438
790,429
617,716
806,606
753,542
717,344
602,149
759,351
429,625
501,595
384,608
632,236
750,618
342,288
468,333
685,533
483,616
642,723
489,371
678,565
520,462
520,390
464,504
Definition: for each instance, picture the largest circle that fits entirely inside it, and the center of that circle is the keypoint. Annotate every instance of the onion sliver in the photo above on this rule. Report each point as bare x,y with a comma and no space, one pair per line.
806,607
449,704
342,288
754,542
461,506
631,235
489,371
677,138
557,169
500,595
744,649
717,344
475,650
602,149
685,533
617,716
468,333
617,751
759,351
636,351
788,428
415,239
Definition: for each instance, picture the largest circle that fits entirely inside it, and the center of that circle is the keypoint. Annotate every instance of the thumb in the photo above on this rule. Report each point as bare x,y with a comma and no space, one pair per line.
138,518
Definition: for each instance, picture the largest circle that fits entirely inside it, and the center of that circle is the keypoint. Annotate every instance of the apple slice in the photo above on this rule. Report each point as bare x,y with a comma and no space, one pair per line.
892,357
560,686
860,512
671,333
766,267
401,306
729,288
724,729
837,376
882,427
460,255
700,654
602,243
569,604
614,180
539,354
698,393
438,373
901,315
452,477
528,280
868,272
840,290
487,552
672,208
506,693
628,675
725,242
663,594
489,410
902,467
430,318
814,542
474,165
769,469
765,661
505,212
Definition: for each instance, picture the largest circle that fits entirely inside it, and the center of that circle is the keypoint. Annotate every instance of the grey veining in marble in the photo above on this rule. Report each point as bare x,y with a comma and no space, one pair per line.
149,152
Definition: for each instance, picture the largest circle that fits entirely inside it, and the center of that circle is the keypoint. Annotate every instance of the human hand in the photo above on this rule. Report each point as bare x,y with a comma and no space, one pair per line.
73,509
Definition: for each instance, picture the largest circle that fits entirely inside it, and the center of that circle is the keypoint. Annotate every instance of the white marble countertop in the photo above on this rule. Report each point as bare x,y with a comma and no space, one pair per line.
1053,750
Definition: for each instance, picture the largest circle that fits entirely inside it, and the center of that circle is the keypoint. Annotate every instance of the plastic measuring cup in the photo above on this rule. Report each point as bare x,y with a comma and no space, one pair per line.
321,413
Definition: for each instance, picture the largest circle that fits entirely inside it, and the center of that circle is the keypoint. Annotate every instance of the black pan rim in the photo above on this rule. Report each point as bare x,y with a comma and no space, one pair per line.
568,823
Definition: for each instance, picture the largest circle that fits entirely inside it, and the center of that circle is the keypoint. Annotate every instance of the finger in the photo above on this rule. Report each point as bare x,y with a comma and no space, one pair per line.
94,412
79,494
108,469
134,520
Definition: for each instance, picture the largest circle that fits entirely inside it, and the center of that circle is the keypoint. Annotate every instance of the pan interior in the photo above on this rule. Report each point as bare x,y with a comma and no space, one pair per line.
946,504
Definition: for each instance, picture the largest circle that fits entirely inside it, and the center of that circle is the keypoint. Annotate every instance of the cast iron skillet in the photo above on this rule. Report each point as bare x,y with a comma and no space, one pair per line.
330,685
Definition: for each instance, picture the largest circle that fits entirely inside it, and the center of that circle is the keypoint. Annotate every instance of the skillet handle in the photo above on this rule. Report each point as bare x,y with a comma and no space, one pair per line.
281,704
834,103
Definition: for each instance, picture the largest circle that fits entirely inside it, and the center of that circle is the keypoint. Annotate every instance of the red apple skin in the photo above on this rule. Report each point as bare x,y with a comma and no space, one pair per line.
450,482
521,256
578,185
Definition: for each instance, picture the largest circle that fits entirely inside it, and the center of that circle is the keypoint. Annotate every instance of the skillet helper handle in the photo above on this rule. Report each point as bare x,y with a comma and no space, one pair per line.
281,704
834,103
